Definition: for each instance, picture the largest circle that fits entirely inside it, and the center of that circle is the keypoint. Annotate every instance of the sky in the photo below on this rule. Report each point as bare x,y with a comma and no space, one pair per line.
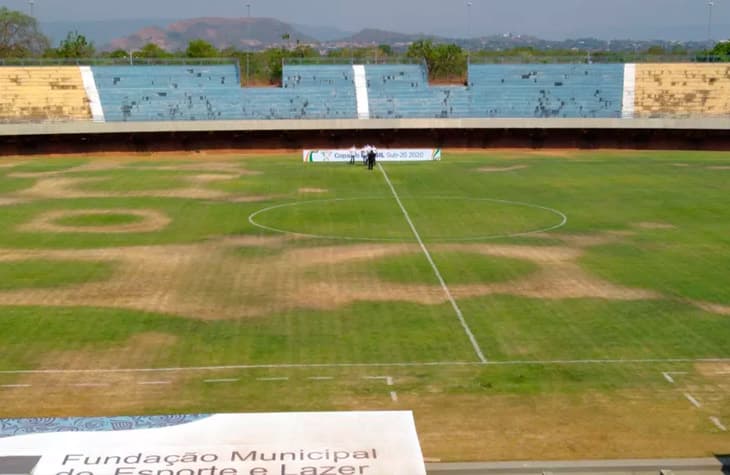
550,19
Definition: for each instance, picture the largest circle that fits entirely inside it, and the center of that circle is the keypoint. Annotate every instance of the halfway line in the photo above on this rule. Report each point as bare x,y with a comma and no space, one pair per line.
441,280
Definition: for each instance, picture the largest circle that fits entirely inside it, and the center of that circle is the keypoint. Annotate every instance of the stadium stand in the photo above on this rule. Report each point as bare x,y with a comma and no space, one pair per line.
213,92
166,92
42,94
402,90
545,90
682,90
322,91
143,93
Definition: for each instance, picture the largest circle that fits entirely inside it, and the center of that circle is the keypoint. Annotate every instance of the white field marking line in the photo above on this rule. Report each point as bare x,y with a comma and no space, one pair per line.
694,401
12,386
718,424
388,381
561,215
153,383
90,385
721,372
668,375
273,379
321,378
465,326
253,215
182,369
222,380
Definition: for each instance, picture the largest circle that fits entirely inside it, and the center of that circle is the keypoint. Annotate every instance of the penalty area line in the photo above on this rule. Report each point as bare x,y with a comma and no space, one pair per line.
459,314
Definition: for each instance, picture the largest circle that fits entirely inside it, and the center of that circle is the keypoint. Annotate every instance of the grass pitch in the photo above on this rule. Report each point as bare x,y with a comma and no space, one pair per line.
276,285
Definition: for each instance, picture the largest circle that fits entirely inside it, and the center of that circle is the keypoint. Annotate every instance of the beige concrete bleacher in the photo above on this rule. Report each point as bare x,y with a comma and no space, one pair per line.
42,93
682,90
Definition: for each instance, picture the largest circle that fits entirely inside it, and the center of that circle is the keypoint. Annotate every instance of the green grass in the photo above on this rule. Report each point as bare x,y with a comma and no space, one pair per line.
597,191
512,328
48,165
39,273
460,267
285,300
362,332
9,185
436,216
668,268
99,220
159,163
131,180
192,221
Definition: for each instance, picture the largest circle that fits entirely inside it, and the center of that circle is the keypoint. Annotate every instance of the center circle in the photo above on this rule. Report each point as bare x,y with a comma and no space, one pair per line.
436,218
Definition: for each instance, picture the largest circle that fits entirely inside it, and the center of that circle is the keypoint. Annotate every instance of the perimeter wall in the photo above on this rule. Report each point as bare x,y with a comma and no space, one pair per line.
89,137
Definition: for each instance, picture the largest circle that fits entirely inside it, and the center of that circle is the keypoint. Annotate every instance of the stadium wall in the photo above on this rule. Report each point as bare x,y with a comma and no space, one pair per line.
89,137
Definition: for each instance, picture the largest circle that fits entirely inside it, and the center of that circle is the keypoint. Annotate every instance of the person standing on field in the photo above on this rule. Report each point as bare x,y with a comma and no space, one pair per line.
353,154
372,154
365,153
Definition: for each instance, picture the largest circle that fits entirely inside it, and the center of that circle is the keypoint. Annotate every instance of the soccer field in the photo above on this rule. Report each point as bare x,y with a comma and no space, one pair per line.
525,305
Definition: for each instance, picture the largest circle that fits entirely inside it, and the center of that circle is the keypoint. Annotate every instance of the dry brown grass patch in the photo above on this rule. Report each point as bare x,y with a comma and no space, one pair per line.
206,281
4,201
586,240
65,188
640,423
65,394
715,308
501,169
231,168
96,165
152,220
651,225
332,255
713,369
559,277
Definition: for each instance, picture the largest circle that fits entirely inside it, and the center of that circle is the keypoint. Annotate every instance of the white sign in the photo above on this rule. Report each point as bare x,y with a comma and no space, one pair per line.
384,155
354,443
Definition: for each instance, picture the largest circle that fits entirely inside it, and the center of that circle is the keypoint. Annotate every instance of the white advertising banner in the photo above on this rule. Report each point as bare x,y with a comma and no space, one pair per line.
341,443
384,155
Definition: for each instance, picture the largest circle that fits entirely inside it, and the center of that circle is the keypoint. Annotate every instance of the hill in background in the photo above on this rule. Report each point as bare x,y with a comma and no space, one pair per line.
262,33
240,33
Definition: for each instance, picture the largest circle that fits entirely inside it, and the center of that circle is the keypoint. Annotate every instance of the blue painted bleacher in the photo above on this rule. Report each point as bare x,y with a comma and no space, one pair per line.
546,90
402,90
144,93
327,91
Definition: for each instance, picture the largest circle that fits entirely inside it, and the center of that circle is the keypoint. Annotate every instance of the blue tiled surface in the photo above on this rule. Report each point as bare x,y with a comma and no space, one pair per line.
546,90
402,91
15,427
142,93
